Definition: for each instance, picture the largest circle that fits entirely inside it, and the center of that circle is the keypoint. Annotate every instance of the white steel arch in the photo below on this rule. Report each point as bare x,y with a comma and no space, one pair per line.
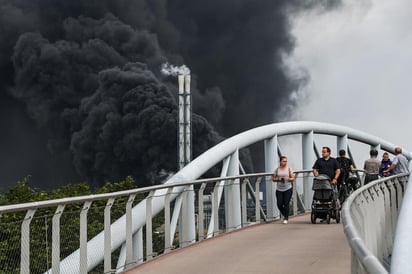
219,152
207,160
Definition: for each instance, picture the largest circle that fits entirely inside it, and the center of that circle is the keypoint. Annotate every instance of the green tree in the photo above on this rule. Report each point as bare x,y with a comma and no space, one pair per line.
40,229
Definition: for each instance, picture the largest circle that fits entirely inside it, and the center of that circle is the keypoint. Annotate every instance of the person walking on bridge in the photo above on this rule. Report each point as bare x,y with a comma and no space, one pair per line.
329,166
385,164
371,167
284,177
399,164
346,166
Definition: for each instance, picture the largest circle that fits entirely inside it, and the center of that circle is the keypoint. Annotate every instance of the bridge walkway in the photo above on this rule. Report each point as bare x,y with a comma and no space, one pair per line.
298,247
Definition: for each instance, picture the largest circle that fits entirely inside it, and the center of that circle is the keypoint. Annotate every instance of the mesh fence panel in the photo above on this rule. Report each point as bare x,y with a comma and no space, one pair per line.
10,231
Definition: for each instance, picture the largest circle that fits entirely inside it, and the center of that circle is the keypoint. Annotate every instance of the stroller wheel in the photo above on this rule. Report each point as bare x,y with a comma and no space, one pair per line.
337,216
313,218
328,218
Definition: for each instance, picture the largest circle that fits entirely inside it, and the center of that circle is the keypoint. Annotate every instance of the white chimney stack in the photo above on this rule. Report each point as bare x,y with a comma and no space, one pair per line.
188,116
184,121
181,122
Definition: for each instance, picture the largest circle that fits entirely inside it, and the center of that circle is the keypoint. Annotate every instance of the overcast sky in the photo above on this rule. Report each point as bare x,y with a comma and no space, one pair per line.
358,61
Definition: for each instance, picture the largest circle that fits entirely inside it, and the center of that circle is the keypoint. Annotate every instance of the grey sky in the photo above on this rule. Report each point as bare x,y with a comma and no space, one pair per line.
358,59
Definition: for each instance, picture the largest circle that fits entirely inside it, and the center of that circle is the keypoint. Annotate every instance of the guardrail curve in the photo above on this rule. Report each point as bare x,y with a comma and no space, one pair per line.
180,187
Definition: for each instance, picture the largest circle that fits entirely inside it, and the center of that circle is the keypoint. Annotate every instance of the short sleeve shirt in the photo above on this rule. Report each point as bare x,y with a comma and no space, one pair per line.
327,167
401,164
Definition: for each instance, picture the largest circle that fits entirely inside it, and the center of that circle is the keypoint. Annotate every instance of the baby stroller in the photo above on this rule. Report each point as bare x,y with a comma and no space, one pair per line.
325,203
346,188
353,183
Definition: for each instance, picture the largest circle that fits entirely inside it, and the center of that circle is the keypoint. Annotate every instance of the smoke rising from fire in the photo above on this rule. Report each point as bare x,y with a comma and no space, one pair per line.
82,82
169,69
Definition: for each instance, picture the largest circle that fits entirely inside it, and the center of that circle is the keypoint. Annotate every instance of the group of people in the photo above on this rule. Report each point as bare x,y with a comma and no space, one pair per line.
375,168
338,169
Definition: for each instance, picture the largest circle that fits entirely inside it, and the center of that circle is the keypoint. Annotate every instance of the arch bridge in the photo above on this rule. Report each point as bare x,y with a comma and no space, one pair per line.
117,231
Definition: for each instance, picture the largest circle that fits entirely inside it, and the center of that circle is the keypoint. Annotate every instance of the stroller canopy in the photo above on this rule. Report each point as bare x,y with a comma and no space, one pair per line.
321,182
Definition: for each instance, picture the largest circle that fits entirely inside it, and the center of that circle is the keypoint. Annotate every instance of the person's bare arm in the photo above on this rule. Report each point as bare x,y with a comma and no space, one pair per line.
291,176
335,179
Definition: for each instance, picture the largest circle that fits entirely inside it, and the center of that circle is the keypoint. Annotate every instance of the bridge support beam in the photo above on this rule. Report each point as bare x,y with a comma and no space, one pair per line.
342,143
307,163
232,195
271,160
187,220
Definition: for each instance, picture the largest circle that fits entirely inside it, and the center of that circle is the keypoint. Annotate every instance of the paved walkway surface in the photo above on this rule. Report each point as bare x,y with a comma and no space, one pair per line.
298,247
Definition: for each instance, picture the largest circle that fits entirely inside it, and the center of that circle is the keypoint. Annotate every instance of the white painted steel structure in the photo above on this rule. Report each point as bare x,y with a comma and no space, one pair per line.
402,251
127,231
370,217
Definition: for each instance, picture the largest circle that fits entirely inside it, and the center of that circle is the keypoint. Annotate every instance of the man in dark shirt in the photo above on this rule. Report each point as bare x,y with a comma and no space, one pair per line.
346,166
330,167
327,165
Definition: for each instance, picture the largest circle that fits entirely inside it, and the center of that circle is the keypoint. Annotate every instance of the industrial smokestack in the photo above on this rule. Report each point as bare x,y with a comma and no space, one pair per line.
181,121
188,120
184,129
51,64
185,121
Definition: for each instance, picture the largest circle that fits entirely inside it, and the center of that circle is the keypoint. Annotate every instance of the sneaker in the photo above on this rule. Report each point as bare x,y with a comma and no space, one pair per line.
285,221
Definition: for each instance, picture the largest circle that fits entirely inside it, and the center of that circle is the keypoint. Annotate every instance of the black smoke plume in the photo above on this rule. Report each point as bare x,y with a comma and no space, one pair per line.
82,96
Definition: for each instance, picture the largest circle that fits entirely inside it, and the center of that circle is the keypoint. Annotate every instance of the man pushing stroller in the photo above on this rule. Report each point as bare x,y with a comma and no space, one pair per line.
328,166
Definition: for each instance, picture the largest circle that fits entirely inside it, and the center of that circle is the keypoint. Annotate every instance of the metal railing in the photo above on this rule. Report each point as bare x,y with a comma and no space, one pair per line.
84,215
92,232
402,251
369,218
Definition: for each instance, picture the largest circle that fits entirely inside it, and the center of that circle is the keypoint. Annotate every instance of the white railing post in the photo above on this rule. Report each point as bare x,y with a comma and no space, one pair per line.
149,229
56,239
168,237
257,195
108,236
25,242
243,185
201,213
129,231
83,237
214,231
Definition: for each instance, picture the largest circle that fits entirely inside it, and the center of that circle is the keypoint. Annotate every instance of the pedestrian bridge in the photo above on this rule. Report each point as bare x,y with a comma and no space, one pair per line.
141,229
298,247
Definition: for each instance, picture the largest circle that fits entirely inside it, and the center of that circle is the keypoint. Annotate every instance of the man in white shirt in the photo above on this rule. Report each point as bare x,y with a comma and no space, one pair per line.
399,163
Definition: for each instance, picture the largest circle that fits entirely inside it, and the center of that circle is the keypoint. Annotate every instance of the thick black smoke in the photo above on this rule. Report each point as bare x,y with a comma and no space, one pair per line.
82,97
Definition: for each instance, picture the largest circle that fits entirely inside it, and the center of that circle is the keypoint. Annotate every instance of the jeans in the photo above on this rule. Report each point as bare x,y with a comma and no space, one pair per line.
283,201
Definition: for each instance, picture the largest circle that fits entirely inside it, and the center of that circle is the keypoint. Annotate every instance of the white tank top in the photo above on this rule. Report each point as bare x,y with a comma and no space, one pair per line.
283,186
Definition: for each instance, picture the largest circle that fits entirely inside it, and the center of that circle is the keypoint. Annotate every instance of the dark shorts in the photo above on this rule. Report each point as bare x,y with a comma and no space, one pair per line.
370,178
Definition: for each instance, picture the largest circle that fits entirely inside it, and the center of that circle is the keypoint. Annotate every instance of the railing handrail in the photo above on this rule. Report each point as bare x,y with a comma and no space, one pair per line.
402,252
357,244
160,195
95,197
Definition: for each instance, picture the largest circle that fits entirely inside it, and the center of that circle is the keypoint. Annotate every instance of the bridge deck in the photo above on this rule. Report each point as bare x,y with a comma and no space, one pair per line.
298,247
